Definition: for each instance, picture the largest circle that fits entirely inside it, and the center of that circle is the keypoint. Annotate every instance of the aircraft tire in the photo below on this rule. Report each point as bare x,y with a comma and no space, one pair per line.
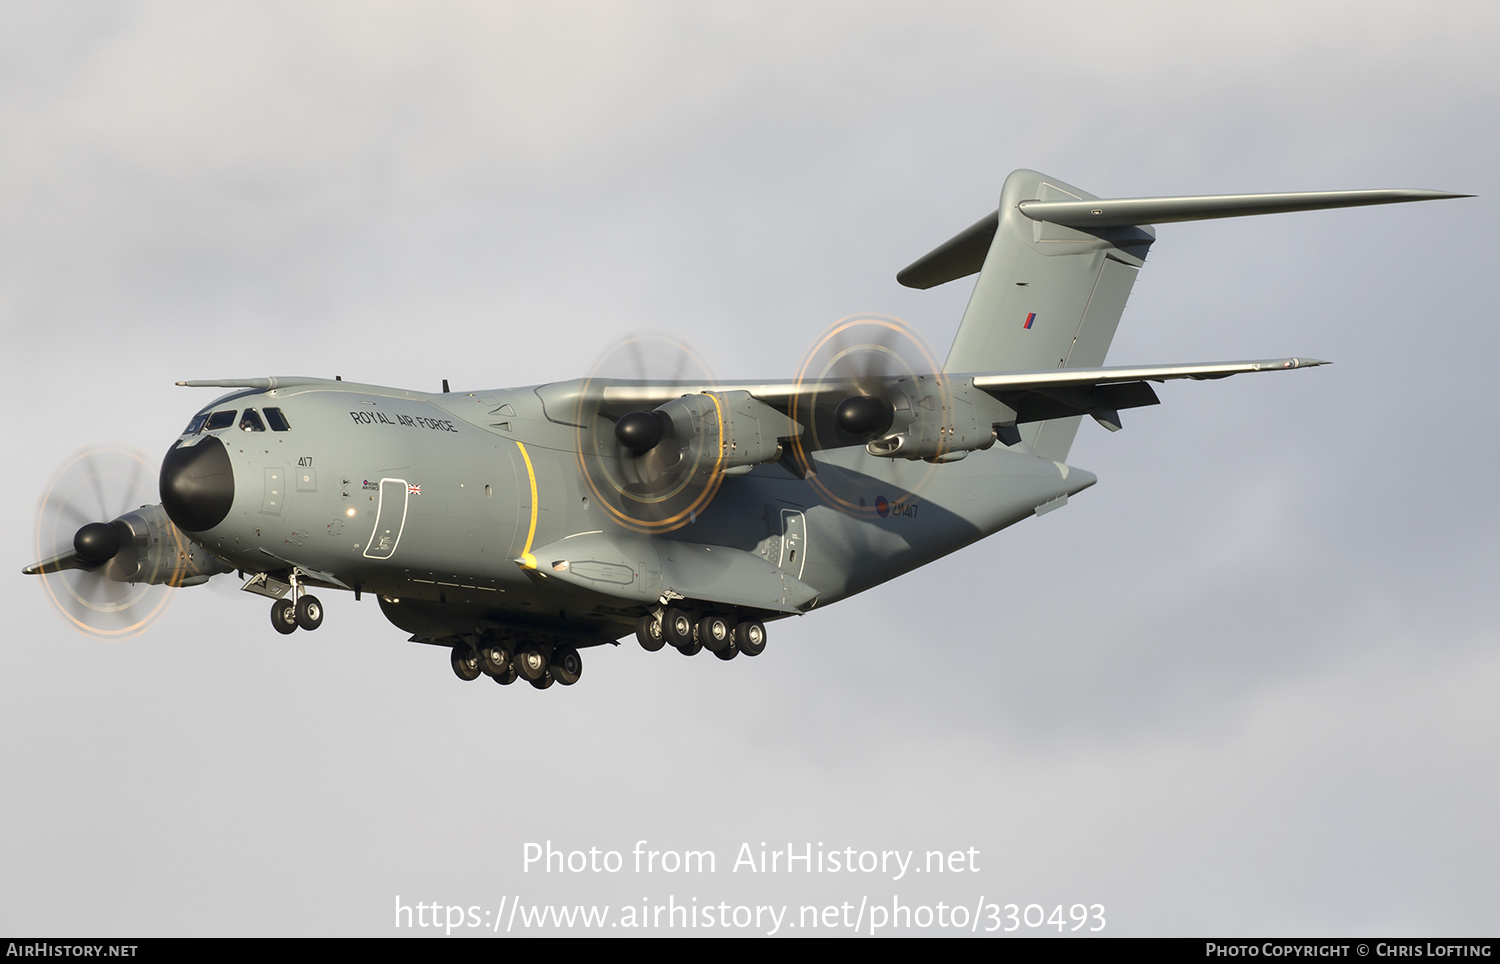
691,649
566,665
677,626
546,680
309,613
283,617
715,633
728,652
531,663
465,663
508,677
750,637
494,660
648,633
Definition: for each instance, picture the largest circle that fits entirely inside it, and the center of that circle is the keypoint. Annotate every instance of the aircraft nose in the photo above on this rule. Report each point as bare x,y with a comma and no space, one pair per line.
197,485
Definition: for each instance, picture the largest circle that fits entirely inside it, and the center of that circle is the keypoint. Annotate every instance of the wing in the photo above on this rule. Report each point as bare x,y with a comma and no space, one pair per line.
1102,392
933,416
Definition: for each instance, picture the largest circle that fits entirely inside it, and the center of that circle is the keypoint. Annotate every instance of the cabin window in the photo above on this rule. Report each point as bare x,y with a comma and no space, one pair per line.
250,421
196,425
220,420
277,420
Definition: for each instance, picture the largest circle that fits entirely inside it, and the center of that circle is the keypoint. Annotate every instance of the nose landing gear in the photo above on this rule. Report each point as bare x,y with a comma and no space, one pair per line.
298,610
309,613
284,617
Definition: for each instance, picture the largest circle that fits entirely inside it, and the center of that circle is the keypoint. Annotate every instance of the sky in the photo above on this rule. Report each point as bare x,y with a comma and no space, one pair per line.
1242,686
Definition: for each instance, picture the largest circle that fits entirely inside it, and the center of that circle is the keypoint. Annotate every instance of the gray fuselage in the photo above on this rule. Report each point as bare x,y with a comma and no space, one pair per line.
435,503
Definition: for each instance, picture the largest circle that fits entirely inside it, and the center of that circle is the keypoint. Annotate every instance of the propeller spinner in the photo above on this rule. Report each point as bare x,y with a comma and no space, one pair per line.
865,377
652,470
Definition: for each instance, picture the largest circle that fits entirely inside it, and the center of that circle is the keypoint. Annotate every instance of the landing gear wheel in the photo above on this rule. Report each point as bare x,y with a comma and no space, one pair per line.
750,637
728,652
715,633
648,633
531,663
465,663
691,649
283,617
309,613
508,677
677,627
495,660
546,681
566,666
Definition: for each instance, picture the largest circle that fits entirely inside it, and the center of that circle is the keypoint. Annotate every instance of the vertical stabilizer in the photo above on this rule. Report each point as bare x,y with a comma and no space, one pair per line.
1048,296
1056,265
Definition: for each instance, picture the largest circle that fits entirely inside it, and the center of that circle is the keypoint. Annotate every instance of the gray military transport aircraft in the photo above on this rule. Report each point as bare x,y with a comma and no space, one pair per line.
517,526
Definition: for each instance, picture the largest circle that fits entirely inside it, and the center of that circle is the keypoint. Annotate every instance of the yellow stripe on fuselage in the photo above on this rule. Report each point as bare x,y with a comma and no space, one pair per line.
530,562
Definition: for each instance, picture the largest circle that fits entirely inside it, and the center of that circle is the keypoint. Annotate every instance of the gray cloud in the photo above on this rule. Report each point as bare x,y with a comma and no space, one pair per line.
1240,686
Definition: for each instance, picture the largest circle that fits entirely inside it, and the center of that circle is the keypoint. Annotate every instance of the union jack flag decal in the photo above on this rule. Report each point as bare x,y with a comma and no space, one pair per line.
413,489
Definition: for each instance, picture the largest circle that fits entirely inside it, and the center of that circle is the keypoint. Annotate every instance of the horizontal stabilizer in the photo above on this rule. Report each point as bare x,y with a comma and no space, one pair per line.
964,253
1120,212
958,257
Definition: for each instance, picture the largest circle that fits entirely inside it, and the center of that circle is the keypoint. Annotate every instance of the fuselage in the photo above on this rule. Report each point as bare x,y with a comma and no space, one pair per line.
436,503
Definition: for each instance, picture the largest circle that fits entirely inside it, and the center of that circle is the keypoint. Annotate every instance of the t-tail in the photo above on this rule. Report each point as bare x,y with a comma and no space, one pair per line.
1056,265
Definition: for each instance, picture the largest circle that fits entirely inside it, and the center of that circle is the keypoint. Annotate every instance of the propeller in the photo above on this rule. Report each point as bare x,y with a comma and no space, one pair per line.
93,574
865,377
653,470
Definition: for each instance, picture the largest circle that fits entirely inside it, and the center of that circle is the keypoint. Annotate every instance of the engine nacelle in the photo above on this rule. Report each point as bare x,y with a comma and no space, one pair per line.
153,550
732,429
939,421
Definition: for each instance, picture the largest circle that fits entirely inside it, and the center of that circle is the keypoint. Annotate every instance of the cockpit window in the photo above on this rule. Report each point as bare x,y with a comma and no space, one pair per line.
250,422
196,425
277,420
220,420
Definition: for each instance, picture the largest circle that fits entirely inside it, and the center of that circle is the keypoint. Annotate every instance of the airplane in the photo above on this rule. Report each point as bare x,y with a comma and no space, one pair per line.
515,527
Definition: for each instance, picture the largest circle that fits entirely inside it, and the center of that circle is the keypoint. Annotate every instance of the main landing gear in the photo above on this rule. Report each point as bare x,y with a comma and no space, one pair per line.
299,611
539,663
689,632
549,661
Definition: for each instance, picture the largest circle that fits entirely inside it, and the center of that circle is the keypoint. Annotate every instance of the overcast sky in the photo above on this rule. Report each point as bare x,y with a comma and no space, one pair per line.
1245,685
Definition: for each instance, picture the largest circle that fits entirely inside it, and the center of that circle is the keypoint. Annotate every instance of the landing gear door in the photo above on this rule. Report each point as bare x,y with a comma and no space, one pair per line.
390,519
